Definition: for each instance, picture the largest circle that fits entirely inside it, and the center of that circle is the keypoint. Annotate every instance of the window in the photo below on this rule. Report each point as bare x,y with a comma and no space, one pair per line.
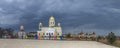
51,33
43,33
51,22
46,33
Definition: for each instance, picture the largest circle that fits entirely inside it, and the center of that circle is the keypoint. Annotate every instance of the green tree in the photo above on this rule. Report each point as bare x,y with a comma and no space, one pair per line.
2,32
68,35
9,31
98,38
111,38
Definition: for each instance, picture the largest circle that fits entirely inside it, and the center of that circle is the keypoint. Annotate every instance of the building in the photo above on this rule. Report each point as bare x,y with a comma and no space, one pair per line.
21,34
90,36
32,33
81,35
51,32
93,35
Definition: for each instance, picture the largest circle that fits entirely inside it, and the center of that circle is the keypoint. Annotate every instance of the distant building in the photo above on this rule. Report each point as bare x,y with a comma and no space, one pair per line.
21,33
32,33
50,32
92,36
81,35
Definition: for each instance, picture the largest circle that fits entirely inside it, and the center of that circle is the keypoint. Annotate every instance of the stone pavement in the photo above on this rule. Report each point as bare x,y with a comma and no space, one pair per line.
19,43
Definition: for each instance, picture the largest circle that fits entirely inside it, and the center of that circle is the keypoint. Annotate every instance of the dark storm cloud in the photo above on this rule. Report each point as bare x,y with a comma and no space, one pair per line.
74,15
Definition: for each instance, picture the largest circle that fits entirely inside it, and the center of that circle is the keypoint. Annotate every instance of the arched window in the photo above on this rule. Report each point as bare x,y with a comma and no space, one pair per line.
51,33
43,33
46,33
53,23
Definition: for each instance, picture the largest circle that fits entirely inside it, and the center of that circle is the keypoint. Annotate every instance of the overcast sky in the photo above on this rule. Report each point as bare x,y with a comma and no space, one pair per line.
100,16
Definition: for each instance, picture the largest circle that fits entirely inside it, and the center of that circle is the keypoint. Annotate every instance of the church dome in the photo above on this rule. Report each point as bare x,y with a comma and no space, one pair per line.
51,17
21,27
51,22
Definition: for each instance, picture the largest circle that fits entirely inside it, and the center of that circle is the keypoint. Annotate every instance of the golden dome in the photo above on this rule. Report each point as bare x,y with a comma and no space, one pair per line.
51,21
51,17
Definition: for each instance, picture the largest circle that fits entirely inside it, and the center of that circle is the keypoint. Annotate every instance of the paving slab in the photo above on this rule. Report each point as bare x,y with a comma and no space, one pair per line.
19,43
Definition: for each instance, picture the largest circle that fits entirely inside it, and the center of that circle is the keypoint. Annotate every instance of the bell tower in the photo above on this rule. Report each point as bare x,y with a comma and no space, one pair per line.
51,22
40,26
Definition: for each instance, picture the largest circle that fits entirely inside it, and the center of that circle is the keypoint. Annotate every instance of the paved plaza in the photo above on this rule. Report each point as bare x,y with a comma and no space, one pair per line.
19,43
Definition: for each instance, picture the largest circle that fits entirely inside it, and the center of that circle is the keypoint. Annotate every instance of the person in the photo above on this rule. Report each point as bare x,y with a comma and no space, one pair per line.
55,37
36,36
60,37
39,36
22,36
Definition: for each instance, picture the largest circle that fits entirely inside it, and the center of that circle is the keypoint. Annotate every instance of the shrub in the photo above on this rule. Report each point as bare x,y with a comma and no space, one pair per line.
111,38
68,35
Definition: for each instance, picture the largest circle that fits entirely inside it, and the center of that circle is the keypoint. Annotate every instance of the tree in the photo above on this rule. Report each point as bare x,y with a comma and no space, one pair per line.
2,32
68,35
98,38
5,32
86,36
9,31
111,38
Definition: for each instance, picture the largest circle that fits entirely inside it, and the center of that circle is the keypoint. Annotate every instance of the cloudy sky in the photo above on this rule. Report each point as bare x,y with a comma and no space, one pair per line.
100,16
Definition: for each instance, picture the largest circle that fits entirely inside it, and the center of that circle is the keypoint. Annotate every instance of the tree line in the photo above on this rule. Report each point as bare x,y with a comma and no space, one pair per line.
6,32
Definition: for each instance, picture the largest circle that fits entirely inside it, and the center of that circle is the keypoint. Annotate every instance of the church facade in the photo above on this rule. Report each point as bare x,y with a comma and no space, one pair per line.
51,32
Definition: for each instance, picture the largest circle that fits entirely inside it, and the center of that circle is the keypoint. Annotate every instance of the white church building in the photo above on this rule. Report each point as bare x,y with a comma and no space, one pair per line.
51,32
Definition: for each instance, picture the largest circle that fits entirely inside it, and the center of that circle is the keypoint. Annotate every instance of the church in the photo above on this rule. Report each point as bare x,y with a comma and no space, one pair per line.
51,32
